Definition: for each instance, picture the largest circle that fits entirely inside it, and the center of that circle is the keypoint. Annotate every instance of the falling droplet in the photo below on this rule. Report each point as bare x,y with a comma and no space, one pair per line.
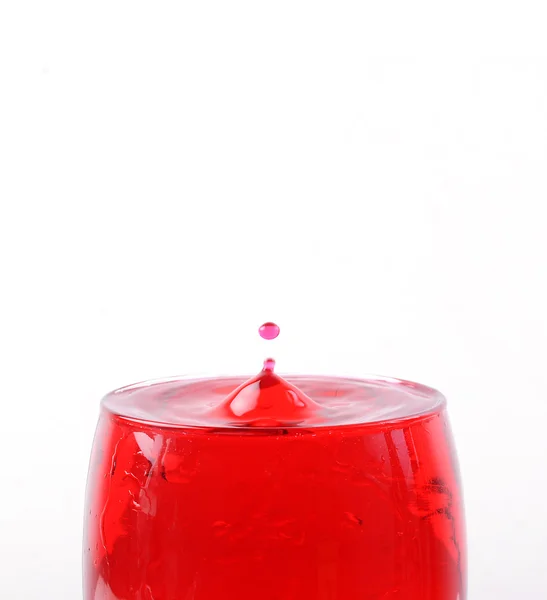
269,331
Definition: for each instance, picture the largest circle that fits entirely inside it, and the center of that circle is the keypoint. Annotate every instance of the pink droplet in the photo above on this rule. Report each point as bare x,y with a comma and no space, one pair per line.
269,364
269,331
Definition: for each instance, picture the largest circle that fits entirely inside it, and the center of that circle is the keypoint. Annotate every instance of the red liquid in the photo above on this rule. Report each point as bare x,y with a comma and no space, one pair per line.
339,511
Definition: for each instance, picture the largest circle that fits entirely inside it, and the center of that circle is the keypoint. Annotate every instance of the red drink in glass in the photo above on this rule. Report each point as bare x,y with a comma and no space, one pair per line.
358,500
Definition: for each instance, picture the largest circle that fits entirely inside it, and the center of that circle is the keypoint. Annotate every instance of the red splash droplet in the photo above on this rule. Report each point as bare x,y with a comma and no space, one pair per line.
269,364
269,331
267,400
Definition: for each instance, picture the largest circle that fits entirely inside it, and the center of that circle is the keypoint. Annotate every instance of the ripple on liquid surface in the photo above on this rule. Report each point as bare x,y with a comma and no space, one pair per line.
341,401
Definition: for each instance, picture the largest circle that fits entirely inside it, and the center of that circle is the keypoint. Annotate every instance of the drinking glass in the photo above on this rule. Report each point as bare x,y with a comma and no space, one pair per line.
364,504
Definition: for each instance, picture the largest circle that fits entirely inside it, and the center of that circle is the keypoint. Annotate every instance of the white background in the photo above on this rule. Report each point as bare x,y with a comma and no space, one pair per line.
372,176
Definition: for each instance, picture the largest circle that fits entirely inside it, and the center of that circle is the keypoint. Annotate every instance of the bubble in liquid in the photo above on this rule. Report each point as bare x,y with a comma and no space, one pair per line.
269,331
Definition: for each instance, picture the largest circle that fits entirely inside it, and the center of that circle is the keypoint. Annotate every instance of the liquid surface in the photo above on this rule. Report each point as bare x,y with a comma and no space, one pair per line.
295,401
